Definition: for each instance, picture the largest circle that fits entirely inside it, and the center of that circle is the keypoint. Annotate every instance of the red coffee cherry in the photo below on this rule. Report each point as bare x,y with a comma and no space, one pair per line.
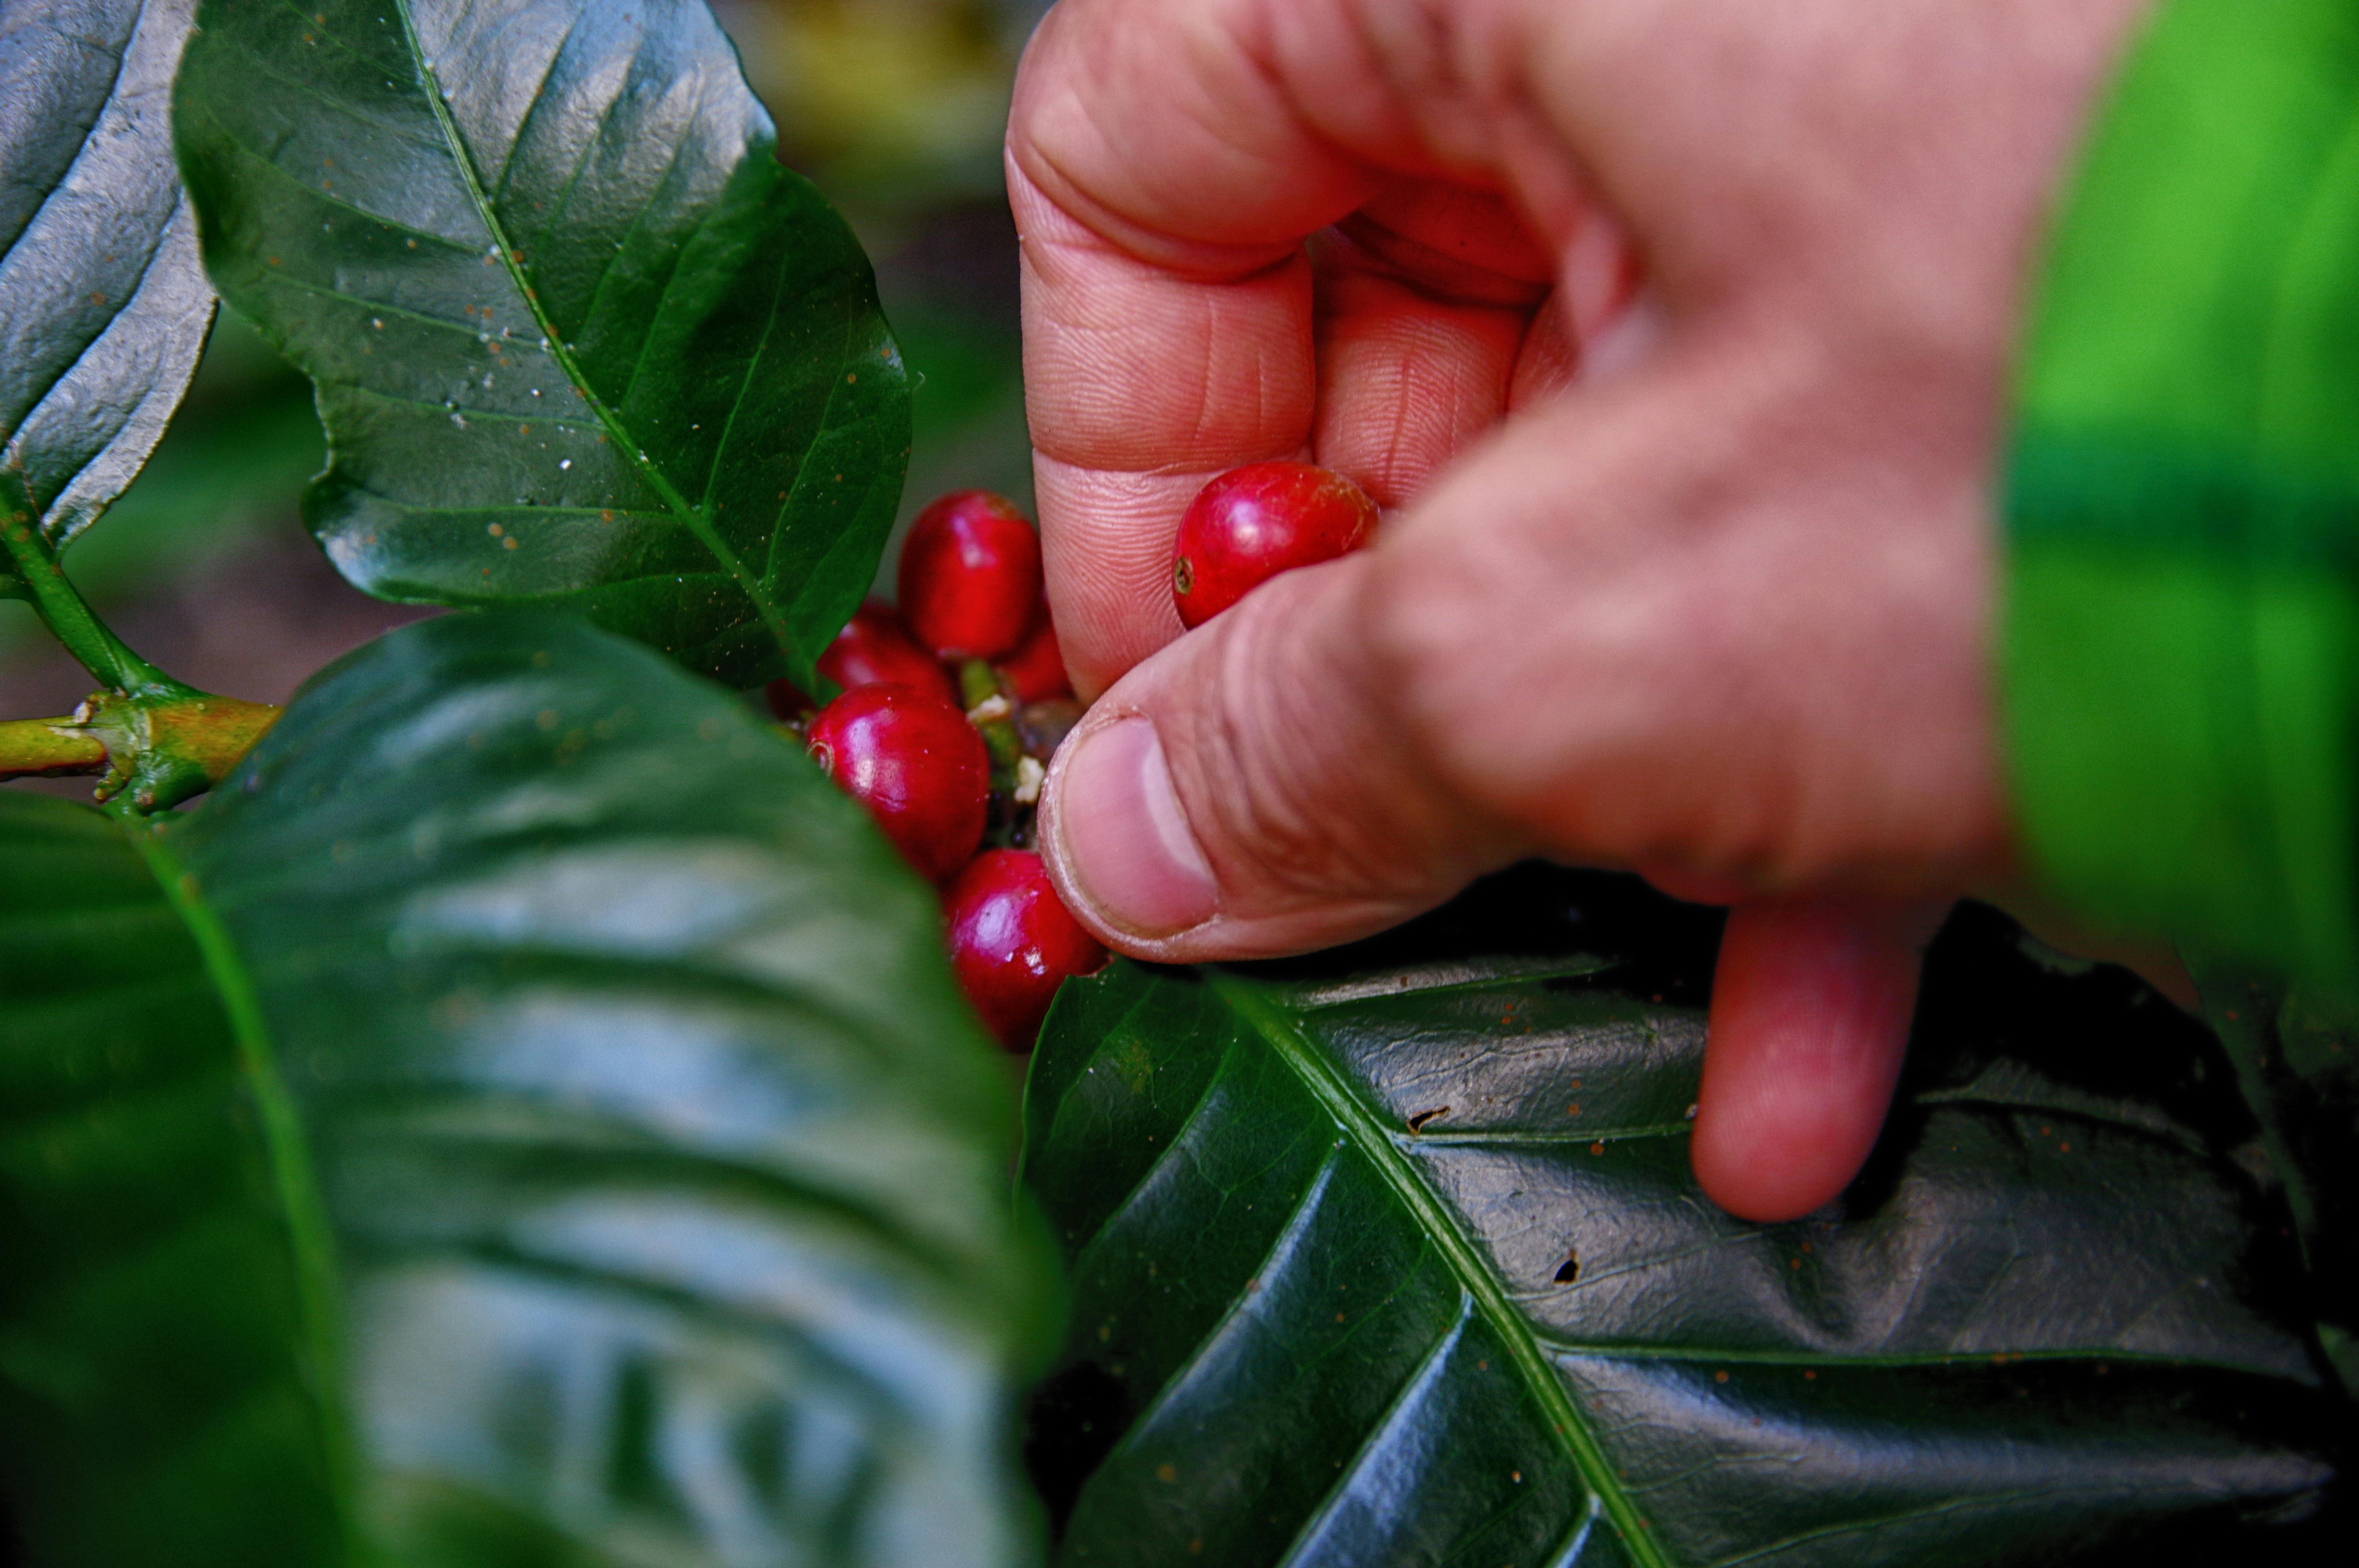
916,764
1252,523
1037,668
1013,942
873,648
970,577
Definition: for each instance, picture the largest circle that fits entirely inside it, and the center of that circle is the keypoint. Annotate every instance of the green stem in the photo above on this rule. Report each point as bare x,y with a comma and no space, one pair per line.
989,707
69,617
152,740
48,749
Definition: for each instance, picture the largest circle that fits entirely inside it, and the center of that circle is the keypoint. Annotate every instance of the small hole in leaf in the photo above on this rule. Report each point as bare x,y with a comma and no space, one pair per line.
1569,1270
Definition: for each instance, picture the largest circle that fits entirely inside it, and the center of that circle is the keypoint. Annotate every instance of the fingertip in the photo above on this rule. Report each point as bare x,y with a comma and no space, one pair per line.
1116,839
1810,1010
1779,1155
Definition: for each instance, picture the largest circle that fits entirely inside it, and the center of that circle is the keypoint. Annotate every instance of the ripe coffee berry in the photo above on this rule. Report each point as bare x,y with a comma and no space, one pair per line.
873,649
1252,523
970,577
916,764
1013,942
1036,670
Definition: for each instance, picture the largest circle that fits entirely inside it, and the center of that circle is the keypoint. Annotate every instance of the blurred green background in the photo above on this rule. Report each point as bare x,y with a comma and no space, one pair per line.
895,107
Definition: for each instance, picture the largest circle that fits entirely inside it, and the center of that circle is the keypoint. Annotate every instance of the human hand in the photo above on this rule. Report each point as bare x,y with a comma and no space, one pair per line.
1701,587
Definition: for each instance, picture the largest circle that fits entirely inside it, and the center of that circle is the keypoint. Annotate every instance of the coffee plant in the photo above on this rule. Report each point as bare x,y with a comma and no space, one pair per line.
512,1109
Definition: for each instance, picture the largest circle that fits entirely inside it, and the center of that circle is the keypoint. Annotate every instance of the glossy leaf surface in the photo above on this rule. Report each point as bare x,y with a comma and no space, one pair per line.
1393,1256
2297,1056
580,340
539,1127
103,304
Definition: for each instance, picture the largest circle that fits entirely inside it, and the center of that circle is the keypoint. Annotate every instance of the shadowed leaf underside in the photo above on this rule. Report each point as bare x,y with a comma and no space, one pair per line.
103,307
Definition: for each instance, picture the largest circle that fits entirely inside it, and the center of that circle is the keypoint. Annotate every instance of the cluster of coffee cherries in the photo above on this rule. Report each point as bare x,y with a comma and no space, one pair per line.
955,698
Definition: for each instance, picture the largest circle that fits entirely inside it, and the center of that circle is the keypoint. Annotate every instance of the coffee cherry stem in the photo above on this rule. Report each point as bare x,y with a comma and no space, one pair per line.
1042,725
991,708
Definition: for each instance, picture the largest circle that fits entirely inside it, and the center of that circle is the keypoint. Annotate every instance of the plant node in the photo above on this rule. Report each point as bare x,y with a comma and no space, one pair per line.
160,750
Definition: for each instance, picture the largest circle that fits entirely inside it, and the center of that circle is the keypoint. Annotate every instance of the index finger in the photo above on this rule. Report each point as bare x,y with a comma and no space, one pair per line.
1163,186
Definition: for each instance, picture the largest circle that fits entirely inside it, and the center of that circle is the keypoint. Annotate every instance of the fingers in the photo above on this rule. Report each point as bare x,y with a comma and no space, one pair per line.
1162,186
1382,360
1408,375
1810,1007
1244,791
1663,621
1168,159
1157,126
1532,660
1144,384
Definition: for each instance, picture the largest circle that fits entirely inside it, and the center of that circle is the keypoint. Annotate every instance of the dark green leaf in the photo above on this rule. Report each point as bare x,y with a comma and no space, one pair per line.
2297,1057
240,450
537,1127
1394,1258
102,306
580,340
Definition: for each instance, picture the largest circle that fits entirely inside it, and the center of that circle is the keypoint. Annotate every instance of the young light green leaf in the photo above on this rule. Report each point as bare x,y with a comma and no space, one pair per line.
524,1117
1393,1256
580,340
103,304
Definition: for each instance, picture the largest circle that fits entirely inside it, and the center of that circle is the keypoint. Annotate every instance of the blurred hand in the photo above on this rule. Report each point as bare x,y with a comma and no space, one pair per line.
1698,586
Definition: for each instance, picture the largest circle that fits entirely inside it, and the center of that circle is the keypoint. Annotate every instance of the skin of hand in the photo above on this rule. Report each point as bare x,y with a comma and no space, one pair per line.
1698,584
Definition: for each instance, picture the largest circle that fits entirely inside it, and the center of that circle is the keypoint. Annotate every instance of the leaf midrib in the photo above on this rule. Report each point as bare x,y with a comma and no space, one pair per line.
293,1178
690,516
1373,1140
1846,1360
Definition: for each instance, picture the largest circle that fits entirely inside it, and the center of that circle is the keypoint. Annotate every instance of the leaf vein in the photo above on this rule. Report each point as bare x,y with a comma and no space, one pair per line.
296,1182
1515,1331
540,96
563,353
1404,1400
1273,1259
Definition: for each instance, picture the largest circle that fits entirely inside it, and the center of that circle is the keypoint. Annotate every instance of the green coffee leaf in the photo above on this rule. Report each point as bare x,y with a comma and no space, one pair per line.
1393,1256
2297,1056
580,340
103,307
523,1117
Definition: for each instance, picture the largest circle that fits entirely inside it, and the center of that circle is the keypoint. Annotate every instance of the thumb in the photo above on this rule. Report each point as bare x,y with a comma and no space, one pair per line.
1246,792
